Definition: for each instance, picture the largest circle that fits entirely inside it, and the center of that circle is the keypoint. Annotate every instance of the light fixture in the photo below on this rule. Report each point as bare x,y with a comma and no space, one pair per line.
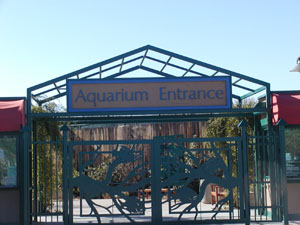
297,67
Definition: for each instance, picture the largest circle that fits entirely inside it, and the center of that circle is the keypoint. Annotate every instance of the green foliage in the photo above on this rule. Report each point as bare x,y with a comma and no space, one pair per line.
292,136
228,127
100,171
47,130
97,173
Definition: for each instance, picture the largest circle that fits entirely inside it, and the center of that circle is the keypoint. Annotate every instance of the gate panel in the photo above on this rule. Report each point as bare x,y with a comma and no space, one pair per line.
108,182
174,180
46,183
192,171
264,178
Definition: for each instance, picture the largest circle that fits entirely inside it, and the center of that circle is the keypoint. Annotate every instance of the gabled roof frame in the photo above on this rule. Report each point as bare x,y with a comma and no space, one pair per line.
56,88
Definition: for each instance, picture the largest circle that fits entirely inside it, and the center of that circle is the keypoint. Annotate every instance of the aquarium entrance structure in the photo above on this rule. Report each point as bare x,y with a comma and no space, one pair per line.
163,171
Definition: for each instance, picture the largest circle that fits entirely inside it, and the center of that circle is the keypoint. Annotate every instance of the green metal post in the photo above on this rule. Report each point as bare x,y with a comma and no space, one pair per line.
65,130
281,123
243,125
155,182
70,176
26,171
34,169
273,177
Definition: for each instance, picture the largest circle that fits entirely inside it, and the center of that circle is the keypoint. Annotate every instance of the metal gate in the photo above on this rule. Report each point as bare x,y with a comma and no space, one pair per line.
167,180
118,183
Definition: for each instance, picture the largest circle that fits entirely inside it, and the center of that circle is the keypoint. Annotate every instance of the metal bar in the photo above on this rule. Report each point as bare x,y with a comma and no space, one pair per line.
215,73
121,65
90,75
253,92
65,171
238,80
25,173
56,88
100,72
184,58
264,174
166,63
188,70
52,98
121,73
40,183
229,158
198,73
236,97
45,181
48,214
281,125
80,172
124,63
49,90
51,181
269,106
66,76
242,87
35,197
144,57
206,112
70,176
128,120
56,177
175,66
93,74
243,126
255,169
12,98
240,178
157,72
271,157
155,182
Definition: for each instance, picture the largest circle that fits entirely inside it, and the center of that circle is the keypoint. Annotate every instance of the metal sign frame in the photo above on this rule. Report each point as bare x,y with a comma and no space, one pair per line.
180,83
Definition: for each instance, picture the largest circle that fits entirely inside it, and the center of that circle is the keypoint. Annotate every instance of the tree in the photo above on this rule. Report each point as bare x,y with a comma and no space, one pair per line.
228,127
48,155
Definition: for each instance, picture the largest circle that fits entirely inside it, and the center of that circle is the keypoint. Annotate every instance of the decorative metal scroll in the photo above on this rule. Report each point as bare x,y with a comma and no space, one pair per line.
188,169
120,175
116,184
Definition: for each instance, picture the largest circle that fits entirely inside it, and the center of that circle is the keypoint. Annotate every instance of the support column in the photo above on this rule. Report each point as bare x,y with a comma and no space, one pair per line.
155,182
26,174
243,125
281,124
65,130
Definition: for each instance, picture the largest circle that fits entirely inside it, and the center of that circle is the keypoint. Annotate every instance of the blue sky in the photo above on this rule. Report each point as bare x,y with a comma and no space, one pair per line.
44,39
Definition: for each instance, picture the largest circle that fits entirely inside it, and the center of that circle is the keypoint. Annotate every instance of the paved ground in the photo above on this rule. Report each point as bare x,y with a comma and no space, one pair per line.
265,223
106,204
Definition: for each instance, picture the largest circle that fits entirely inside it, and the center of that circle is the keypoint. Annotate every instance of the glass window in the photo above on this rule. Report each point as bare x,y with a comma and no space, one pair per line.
292,148
8,160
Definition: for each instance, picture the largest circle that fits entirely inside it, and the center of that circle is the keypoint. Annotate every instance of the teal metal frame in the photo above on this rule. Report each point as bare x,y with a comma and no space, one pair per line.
146,60
142,59
169,167
177,176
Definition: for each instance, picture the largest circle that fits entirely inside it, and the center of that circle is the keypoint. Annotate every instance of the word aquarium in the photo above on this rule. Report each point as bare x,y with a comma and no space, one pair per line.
148,94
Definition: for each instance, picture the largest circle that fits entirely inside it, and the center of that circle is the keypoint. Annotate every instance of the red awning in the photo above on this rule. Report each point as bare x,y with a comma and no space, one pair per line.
286,106
12,115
